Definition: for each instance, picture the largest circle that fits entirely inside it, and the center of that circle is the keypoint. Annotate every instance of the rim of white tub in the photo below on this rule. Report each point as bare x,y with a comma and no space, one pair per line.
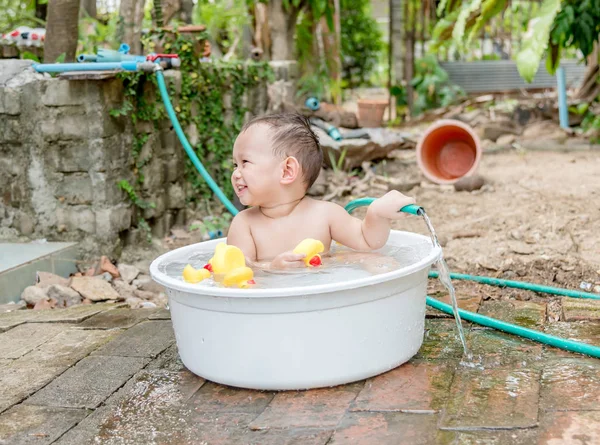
282,292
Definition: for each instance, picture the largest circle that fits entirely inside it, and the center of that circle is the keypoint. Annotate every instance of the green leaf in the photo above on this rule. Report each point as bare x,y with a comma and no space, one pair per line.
29,56
489,9
465,13
61,58
536,39
443,29
441,6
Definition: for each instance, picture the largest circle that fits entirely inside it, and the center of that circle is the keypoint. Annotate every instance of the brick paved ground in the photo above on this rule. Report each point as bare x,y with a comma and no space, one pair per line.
110,375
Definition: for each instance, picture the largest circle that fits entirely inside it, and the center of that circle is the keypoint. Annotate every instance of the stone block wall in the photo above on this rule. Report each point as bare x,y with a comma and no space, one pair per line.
62,155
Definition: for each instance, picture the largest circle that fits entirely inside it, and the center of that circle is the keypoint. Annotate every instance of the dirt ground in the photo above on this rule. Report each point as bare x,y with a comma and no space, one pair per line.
537,219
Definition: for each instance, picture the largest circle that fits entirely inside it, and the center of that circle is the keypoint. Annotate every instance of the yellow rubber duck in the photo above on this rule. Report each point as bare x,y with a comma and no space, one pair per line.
241,277
226,258
311,248
191,275
229,266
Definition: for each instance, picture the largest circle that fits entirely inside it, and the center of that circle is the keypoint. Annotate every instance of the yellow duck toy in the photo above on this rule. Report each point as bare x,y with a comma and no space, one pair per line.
191,275
230,264
311,248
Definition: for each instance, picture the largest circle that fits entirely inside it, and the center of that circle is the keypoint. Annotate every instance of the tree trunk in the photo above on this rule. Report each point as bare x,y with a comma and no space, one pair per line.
397,40
88,8
590,87
61,30
332,57
132,14
187,7
262,36
282,29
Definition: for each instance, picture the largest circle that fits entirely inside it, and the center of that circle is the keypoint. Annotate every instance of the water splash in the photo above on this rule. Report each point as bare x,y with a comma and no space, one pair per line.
444,276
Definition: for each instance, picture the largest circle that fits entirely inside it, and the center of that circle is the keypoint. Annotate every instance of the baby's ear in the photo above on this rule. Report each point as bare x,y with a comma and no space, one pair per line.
291,170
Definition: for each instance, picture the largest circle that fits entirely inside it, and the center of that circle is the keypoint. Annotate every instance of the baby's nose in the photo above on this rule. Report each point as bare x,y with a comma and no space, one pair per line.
237,174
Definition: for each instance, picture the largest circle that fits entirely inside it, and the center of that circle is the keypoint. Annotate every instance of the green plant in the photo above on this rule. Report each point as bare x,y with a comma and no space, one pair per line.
337,165
432,88
210,98
223,20
18,13
130,190
362,42
591,118
95,34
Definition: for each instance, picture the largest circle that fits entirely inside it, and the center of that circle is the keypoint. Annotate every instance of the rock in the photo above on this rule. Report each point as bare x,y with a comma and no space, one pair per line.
128,272
134,302
125,290
544,130
11,306
64,296
32,294
506,139
107,266
95,289
469,183
146,283
46,303
493,130
106,276
144,295
45,279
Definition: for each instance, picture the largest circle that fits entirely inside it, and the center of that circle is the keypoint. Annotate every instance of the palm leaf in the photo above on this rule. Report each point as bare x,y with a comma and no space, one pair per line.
489,9
466,11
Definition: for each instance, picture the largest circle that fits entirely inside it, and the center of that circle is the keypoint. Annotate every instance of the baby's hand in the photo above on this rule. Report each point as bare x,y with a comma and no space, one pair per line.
389,205
288,260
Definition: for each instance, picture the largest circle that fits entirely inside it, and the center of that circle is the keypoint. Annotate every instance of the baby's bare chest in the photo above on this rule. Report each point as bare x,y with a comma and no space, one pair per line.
277,236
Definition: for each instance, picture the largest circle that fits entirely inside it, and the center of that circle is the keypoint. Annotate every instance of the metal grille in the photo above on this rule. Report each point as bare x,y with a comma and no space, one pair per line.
502,75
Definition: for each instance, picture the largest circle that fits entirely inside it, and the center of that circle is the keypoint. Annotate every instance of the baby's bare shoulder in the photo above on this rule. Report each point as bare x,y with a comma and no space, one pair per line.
245,217
324,207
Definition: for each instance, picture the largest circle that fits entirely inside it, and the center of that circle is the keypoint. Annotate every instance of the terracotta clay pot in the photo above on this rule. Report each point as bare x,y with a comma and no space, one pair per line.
447,151
370,112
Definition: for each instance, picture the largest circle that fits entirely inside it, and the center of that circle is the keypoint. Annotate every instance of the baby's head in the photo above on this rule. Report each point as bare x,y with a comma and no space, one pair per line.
275,157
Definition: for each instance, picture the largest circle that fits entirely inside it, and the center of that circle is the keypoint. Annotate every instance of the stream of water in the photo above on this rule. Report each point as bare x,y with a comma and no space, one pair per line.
444,276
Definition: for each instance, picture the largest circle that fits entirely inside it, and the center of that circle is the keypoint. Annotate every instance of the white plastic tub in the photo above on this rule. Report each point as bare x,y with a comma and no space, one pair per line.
299,337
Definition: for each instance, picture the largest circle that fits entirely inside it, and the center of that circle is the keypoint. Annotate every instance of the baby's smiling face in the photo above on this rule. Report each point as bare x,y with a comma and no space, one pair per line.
256,175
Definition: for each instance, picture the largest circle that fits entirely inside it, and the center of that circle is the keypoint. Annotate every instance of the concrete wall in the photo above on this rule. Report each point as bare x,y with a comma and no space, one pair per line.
62,154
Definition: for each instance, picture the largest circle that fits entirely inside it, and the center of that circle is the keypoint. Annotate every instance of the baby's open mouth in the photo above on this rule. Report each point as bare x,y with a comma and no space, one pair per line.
241,188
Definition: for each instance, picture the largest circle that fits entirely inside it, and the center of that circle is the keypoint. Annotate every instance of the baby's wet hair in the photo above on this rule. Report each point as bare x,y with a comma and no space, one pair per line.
292,136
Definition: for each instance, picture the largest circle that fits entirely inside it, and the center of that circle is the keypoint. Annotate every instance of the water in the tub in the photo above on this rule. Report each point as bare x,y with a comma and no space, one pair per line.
444,276
339,265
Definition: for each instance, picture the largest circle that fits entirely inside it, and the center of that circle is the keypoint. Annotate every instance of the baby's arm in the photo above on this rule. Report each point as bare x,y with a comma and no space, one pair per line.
239,235
371,233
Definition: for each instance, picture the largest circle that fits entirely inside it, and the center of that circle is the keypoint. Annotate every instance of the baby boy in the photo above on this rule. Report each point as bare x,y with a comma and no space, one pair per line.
276,159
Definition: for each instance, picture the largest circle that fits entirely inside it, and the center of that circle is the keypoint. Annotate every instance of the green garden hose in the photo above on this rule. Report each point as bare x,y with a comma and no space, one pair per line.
188,148
520,285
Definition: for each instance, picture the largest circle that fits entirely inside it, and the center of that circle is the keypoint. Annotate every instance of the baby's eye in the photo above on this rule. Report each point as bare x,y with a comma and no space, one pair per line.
234,165
245,161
